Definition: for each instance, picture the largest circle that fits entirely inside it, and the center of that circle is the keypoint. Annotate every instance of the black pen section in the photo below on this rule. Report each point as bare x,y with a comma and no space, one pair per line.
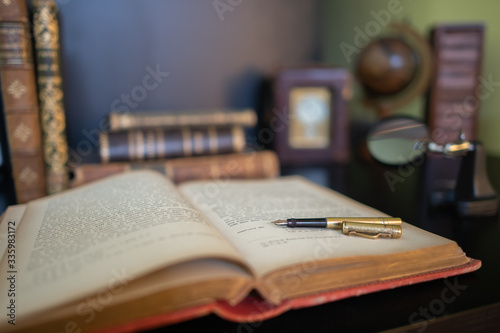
314,222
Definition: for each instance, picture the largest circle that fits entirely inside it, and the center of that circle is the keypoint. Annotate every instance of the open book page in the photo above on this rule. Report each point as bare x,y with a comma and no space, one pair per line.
97,236
243,210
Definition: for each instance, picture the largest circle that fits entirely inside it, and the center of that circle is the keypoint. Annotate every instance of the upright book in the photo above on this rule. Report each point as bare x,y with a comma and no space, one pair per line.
454,98
20,101
454,95
145,253
50,94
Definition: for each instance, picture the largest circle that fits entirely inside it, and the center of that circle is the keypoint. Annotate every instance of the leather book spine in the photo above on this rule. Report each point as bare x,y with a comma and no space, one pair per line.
135,120
454,96
20,102
50,94
256,165
159,143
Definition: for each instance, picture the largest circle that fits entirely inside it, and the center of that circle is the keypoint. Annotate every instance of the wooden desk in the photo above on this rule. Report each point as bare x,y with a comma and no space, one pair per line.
464,303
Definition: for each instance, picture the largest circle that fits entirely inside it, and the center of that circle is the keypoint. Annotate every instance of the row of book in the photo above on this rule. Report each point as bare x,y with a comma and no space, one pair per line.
207,144
33,98
187,145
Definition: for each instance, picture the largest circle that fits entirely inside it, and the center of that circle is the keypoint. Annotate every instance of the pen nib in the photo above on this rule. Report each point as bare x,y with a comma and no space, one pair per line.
280,222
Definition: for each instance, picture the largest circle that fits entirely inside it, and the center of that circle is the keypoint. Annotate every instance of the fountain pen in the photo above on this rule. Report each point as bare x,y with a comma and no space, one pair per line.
367,227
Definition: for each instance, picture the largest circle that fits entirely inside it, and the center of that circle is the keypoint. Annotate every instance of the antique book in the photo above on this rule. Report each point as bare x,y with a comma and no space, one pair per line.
144,119
454,98
454,95
249,165
50,94
20,102
134,251
159,143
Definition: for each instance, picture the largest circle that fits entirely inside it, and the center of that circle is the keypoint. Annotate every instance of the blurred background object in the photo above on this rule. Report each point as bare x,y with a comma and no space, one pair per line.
310,118
346,21
394,69
402,141
178,55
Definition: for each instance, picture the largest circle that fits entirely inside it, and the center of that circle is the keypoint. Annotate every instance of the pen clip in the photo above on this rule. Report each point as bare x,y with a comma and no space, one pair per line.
370,236
336,222
370,230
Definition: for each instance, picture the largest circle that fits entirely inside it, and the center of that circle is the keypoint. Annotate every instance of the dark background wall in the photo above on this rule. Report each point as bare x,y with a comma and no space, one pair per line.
214,57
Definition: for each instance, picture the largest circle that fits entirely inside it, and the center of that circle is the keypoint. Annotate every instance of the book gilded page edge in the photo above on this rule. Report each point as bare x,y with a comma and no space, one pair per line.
255,309
269,286
146,119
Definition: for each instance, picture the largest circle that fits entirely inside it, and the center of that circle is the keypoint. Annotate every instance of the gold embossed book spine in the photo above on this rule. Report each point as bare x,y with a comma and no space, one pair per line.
50,94
148,119
159,143
20,102
252,165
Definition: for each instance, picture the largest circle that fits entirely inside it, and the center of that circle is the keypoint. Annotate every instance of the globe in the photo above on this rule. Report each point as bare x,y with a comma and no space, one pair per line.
394,69
387,66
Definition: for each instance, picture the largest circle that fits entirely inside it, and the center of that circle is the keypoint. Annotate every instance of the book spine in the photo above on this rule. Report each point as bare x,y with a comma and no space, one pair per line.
262,164
453,104
20,102
158,143
50,94
123,121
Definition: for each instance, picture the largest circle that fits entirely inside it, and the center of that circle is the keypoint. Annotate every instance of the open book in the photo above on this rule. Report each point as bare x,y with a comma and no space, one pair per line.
134,248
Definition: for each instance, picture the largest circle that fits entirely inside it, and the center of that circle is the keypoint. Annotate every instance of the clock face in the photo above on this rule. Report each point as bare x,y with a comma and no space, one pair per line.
312,110
310,121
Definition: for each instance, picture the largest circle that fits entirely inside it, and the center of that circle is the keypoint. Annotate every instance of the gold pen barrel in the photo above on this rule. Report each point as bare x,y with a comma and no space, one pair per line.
371,230
336,222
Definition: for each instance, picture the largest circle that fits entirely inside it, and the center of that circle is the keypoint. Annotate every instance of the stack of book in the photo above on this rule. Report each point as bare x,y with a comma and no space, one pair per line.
185,145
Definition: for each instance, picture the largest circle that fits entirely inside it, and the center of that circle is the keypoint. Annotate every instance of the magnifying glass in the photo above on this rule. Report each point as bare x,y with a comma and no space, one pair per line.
398,141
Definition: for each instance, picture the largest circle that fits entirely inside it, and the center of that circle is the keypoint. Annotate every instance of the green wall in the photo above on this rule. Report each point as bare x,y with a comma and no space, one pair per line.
342,17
